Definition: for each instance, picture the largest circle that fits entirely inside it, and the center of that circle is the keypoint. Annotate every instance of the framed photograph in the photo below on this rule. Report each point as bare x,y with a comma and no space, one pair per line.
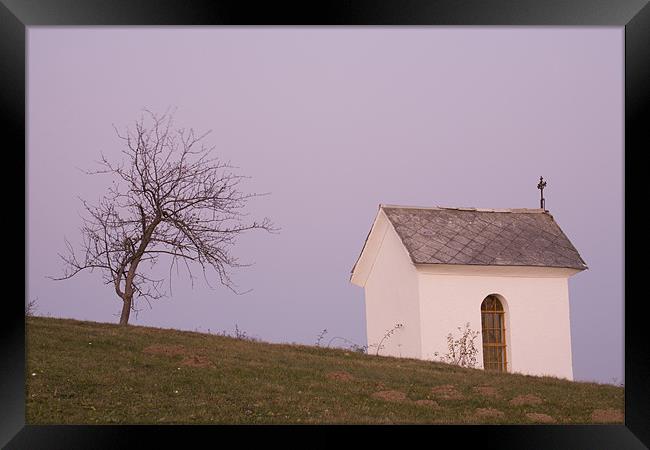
363,200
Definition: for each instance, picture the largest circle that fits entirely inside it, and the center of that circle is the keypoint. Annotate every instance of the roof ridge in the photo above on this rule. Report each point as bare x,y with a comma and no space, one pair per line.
470,208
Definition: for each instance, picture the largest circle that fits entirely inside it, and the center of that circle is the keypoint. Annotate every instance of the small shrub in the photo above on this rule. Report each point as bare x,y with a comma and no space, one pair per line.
359,348
238,334
242,335
389,333
30,307
353,346
320,337
462,351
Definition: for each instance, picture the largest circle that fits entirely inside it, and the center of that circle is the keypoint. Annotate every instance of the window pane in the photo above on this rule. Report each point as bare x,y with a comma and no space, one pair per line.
488,304
497,336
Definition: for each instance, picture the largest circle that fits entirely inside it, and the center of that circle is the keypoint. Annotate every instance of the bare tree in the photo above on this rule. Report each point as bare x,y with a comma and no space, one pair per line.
169,198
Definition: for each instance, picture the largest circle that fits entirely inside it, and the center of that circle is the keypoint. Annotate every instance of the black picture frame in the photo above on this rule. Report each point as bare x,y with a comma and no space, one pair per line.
634,15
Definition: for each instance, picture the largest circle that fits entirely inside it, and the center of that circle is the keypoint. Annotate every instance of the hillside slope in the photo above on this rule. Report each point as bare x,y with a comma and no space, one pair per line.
89,373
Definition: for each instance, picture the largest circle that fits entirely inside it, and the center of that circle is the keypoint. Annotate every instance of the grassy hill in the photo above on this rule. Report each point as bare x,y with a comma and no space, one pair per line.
89,373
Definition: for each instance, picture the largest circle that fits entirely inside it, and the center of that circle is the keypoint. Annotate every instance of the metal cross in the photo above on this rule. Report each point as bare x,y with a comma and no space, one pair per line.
541,185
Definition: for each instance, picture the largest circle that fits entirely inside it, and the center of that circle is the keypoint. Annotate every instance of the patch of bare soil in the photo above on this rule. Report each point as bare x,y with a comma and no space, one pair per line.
528,399
447,392
488,413
427,402
540,417
390,396
166,350
189,360
196,361
340,376
487,391
607,415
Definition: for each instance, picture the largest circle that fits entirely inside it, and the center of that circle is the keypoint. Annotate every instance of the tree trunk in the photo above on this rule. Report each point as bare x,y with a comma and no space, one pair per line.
126,310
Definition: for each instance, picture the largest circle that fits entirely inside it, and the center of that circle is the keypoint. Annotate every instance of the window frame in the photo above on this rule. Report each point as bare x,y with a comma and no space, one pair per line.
494,343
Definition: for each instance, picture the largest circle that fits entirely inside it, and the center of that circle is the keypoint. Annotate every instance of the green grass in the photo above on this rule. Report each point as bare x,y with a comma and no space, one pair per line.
96,373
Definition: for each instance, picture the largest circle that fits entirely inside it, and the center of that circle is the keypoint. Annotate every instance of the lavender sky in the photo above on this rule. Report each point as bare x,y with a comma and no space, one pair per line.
333,121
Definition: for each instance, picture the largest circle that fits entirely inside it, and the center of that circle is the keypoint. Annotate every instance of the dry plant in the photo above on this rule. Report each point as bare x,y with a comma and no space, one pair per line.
462,351
30,307
387,335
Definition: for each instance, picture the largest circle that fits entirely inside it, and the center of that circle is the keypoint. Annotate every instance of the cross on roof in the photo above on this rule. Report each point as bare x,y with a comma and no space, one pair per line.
541,185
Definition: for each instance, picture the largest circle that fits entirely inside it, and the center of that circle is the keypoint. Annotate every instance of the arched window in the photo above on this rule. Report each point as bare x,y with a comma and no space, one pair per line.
494,334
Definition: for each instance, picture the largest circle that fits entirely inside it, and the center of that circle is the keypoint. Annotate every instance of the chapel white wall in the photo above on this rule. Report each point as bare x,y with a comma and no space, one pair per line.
537,313
391,297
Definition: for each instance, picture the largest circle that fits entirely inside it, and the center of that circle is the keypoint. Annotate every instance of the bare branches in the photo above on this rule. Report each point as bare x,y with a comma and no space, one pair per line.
169,198
31,307
462,351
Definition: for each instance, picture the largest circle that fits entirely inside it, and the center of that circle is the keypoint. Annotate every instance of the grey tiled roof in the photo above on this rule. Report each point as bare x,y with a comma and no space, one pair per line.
513,237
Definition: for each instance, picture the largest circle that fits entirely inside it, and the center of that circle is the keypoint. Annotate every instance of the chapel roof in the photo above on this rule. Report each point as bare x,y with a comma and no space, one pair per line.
475,236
